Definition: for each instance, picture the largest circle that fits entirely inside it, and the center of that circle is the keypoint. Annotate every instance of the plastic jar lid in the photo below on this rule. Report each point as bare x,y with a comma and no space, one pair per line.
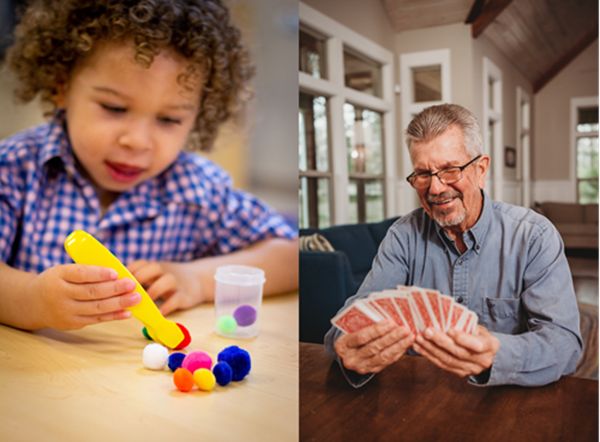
240,275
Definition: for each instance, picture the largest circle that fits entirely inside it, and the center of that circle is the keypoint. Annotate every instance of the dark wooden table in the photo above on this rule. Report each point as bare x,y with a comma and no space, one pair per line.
413,400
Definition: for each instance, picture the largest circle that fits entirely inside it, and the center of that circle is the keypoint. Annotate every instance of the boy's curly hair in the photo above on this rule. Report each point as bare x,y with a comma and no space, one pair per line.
54,34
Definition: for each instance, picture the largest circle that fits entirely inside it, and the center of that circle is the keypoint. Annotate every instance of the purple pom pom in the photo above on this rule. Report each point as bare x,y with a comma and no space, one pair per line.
223,373
175,360
245,315
238,359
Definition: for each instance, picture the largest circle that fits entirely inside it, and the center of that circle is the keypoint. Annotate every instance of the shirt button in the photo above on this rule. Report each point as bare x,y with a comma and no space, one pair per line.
460,299
478,247
460,262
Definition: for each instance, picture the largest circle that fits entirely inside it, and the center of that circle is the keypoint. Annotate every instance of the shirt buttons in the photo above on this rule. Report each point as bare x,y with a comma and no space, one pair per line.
460,299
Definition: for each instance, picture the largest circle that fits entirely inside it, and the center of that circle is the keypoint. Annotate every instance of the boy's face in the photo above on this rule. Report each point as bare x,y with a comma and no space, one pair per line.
127,123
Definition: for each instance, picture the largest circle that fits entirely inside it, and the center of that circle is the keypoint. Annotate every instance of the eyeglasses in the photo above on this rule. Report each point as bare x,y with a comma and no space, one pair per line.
446,176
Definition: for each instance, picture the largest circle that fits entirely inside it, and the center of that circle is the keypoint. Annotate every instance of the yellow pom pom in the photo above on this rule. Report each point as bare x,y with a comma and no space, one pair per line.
204,379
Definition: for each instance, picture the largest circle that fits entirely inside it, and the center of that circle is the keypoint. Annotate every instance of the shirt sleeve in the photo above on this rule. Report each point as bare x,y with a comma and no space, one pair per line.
389,270
9,207
552,344
245,220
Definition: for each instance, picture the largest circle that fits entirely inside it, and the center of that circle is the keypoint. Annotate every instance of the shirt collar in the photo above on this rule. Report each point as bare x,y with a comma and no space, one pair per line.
57,145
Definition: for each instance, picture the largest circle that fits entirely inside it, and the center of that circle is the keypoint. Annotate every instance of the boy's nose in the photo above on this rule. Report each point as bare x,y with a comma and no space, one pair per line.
137,135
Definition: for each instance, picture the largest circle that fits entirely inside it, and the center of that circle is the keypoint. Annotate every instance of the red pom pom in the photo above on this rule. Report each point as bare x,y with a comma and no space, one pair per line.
186,337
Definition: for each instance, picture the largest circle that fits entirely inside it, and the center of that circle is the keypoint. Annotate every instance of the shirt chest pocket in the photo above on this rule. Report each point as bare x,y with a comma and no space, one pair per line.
503,315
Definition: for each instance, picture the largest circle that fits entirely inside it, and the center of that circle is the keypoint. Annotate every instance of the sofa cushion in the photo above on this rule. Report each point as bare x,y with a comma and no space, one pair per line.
590,214
577,229
563,212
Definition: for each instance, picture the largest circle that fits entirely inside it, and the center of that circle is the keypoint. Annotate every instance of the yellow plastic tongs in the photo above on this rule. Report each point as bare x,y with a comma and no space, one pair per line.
85,249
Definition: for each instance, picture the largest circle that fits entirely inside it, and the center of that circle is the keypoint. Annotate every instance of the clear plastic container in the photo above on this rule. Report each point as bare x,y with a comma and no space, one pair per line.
238,296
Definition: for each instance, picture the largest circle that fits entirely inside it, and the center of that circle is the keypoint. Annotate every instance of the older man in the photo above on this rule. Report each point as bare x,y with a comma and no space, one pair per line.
504,262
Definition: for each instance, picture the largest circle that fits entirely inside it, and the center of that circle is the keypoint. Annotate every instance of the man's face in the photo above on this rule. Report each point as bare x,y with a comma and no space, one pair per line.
456,206
127,123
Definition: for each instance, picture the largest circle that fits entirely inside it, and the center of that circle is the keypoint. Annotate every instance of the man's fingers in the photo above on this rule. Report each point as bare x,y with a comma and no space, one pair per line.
469,341
368,334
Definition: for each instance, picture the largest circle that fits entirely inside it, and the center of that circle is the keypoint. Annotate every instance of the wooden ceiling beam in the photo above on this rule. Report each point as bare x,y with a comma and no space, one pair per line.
483,13
577,48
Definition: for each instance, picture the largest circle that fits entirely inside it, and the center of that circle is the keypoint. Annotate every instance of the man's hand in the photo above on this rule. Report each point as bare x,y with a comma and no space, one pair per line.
458,352
373,348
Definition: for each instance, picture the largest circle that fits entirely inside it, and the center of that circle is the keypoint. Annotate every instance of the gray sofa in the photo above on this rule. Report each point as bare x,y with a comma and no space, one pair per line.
576,223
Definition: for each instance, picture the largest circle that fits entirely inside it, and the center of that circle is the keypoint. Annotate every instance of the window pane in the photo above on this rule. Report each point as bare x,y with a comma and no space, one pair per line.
427,83
312,54
588,120
374,200
364,140
362,74
365,201
588,192
587,157
314,203
312,139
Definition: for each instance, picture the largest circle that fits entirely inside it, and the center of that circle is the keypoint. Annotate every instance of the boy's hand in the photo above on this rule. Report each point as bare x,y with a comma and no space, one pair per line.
169,281
74,295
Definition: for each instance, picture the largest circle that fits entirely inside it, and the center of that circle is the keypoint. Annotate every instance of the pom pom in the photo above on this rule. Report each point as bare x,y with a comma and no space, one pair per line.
175,360
238,359
226,324
145,333
223,373
186,337
204,379
155,356
245,315
183,380
195,360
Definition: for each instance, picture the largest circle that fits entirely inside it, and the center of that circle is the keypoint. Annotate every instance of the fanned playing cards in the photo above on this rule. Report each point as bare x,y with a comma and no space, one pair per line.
413,307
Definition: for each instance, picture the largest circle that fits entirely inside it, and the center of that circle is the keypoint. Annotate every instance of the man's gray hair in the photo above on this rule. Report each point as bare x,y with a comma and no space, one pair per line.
432,121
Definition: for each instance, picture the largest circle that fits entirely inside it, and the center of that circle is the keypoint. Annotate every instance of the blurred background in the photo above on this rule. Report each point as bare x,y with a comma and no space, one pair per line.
260,152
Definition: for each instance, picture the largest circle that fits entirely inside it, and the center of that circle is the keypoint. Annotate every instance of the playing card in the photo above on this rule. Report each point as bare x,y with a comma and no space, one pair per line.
356,316
407,310
424,308
384,301
446,305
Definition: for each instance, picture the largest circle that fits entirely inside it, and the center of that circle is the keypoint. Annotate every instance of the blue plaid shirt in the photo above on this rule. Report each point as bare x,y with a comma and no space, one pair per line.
187,212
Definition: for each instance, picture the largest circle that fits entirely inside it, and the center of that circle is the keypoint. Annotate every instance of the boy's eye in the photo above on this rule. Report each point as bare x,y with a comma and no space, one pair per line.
110,108
169,120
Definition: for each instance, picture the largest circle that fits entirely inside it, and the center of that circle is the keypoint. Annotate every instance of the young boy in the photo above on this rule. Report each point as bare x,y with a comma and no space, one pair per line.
129,83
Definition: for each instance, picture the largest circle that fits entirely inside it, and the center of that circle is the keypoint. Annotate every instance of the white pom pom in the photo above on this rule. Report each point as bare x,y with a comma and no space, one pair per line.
155,356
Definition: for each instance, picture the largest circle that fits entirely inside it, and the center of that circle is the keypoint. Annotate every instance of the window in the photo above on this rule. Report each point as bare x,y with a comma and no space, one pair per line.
311,53
587,155
492,127
346,130
364,144
313,157
523,145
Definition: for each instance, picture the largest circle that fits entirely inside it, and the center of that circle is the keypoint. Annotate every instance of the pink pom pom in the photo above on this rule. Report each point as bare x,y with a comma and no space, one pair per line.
195,360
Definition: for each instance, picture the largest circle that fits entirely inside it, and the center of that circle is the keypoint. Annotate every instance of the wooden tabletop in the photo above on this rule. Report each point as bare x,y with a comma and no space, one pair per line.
413,400
91,384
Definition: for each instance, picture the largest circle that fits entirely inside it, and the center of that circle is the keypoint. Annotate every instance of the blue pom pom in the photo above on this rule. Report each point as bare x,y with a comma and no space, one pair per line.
238,359
223,373
175,360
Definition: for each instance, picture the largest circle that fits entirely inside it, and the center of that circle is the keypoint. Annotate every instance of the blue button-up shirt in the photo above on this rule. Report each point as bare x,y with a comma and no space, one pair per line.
189,211
514,275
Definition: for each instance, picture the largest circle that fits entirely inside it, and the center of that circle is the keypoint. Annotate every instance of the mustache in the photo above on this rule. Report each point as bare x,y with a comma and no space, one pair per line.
444,196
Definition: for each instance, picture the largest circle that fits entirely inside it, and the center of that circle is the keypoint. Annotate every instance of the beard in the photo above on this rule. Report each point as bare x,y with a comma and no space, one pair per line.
446,217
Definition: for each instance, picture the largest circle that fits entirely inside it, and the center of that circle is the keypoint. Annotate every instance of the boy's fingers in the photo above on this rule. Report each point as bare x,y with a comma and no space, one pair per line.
81,273
102,290
109,305
147,273
163,287
136,265
84,320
